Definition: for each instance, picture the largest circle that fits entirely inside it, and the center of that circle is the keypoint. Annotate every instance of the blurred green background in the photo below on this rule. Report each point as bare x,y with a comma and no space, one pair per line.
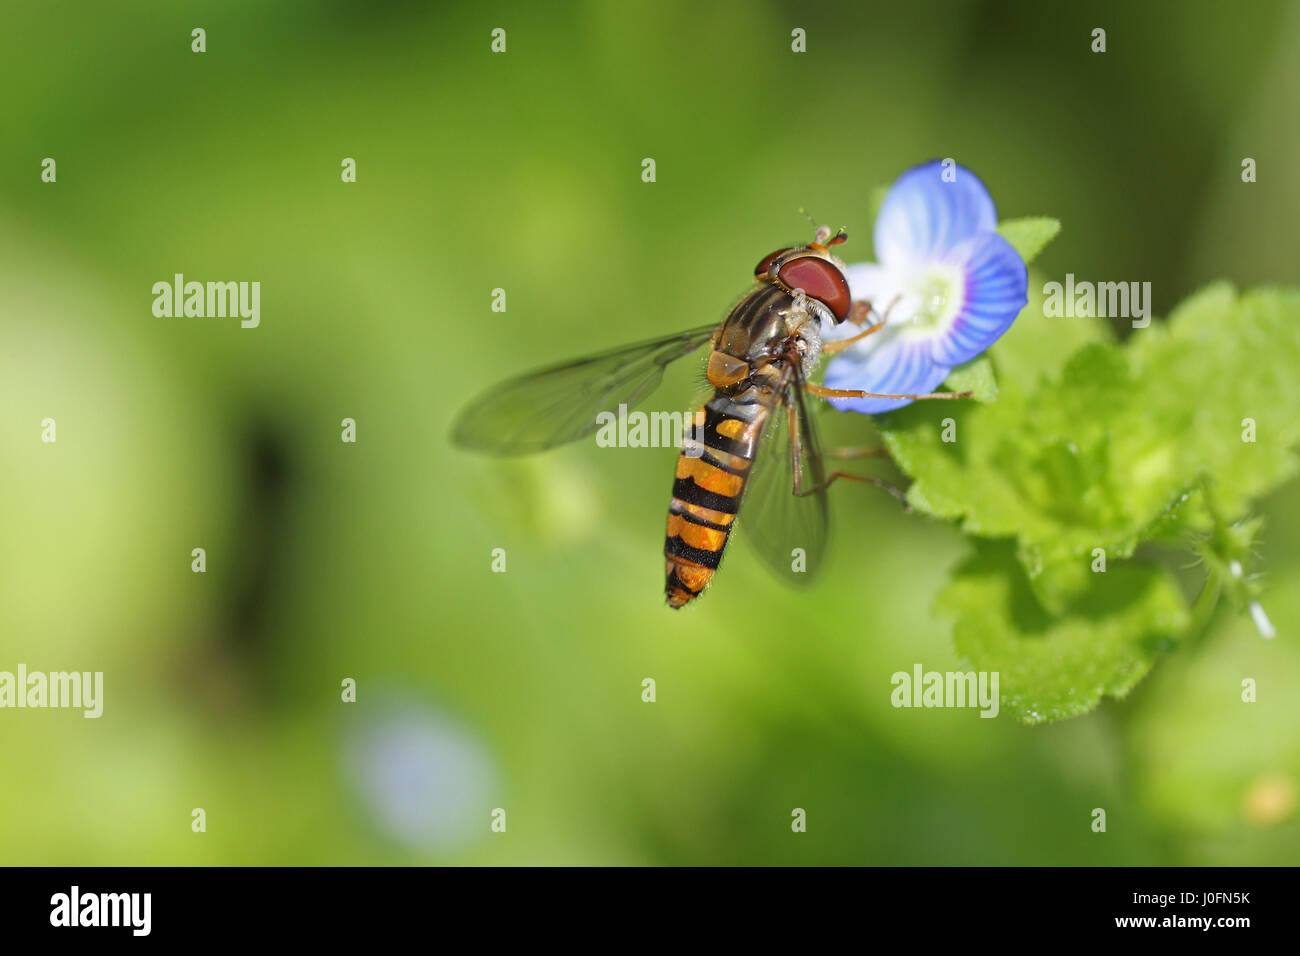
372,560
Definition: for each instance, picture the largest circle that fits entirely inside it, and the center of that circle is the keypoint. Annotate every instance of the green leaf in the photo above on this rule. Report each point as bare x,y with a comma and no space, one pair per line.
1106,451
974,376
1051,667
1029,236
1223,366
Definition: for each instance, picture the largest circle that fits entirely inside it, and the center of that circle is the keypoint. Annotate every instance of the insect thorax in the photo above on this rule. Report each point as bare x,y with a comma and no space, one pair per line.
799,331
772,326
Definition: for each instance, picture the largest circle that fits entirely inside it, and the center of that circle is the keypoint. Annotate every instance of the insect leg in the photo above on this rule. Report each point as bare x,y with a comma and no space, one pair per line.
859,451
860,312
824,392
797,467
894,490
830,348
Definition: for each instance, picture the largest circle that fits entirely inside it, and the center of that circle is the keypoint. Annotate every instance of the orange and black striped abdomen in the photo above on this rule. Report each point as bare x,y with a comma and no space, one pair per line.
707,491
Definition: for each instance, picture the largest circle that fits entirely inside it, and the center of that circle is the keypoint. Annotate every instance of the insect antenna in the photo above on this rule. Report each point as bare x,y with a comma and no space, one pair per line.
822,237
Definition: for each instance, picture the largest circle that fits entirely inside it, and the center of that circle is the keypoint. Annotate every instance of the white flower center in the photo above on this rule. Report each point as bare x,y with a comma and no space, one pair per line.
932,298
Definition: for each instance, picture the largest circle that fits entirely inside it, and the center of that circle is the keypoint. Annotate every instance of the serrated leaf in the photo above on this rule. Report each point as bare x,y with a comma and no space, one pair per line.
1051,667
1097,454
974,376
1224,369
1029,236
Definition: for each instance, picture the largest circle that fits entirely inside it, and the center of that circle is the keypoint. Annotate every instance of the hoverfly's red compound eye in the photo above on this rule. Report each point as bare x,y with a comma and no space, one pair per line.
822,280
760,270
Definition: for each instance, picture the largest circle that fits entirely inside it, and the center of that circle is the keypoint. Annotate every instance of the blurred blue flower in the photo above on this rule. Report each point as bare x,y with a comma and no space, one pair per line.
424,779
948,284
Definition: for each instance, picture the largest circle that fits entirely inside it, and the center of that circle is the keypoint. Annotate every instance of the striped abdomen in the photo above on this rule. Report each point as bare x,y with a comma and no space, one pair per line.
709,484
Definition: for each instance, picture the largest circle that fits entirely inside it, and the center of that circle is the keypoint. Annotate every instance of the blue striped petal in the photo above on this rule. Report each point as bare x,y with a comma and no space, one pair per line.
923,217
997,286
897,364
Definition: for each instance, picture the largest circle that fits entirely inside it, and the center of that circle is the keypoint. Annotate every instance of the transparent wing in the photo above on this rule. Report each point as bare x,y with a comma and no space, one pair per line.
559,404
788,531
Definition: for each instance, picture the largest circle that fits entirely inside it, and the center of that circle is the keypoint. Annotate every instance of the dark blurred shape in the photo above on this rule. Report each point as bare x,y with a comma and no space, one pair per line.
258,552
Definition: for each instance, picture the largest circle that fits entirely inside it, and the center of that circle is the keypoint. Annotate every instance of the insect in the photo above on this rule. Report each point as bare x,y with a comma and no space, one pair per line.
757,445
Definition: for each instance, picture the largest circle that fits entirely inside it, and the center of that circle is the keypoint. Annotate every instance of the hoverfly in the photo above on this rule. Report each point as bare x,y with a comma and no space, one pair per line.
760,361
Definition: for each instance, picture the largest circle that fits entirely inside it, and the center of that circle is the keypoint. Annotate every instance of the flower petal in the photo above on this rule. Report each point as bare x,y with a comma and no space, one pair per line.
869,282
923,217
896,365
997,285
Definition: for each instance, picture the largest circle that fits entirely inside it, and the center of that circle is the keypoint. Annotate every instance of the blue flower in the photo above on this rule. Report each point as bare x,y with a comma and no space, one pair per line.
947,283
